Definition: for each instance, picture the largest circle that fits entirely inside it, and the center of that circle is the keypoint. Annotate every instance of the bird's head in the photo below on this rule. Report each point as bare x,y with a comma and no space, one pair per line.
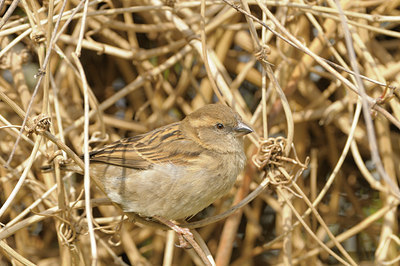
216,127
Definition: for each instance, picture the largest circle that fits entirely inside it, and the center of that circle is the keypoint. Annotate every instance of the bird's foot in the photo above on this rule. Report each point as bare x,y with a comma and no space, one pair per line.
184,234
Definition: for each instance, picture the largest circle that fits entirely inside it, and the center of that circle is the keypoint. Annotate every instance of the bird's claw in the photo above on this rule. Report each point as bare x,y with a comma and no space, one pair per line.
183,234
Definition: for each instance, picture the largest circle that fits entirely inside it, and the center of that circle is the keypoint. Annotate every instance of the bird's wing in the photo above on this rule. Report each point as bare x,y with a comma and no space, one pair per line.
163,145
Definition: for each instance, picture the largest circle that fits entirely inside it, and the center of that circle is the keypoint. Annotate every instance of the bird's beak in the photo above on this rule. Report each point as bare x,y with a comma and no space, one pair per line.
242,129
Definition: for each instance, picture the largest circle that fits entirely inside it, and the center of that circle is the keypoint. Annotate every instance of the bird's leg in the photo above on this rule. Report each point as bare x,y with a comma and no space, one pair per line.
184,235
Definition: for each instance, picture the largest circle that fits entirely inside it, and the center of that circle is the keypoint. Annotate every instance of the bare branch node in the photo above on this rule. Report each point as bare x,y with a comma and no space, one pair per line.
41,123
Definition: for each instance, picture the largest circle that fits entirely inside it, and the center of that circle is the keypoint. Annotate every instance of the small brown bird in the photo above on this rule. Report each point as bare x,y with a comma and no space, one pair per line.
177,170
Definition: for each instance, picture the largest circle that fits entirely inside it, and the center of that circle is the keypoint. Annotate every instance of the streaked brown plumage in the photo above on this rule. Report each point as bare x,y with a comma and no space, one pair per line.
177,170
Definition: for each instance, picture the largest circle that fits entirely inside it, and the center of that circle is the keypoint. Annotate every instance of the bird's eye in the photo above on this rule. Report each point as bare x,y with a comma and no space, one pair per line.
219,126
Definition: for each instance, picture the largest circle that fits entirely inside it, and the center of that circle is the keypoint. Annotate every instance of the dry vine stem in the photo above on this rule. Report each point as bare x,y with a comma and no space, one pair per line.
284,66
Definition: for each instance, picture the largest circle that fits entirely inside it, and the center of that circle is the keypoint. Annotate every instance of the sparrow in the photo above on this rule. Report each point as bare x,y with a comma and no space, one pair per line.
177,170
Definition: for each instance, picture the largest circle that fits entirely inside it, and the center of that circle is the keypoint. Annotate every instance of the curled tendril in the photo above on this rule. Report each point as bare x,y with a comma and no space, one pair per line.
112,229
262,53
67,232
270,152
97,138
115,239
271,158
